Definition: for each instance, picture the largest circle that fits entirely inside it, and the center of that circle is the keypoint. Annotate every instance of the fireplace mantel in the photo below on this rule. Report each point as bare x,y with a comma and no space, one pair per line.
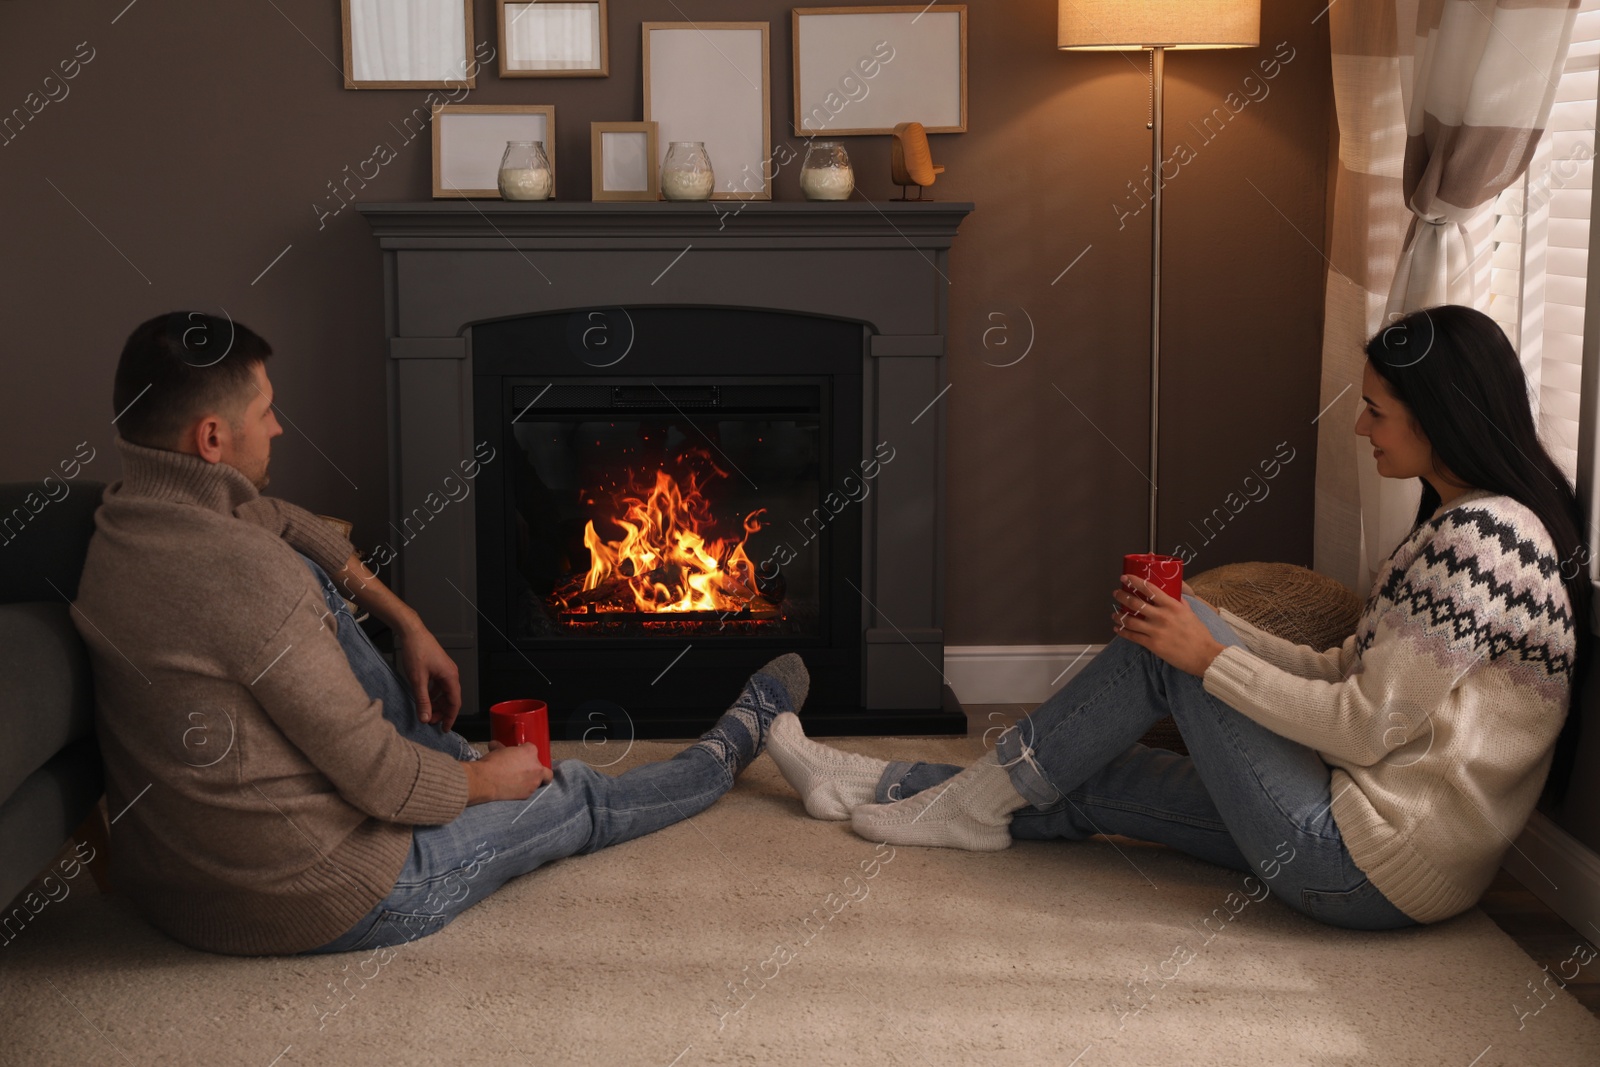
927,223
451,265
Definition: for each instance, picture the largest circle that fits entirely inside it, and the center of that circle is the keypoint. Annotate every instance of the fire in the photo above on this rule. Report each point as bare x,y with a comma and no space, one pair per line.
666,559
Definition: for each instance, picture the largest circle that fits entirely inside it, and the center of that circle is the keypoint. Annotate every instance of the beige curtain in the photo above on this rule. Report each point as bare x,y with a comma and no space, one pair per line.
1368,231
1440,105
1479,77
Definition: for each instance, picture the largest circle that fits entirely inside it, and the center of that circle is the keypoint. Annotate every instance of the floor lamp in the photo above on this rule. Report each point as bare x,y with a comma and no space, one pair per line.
1157,25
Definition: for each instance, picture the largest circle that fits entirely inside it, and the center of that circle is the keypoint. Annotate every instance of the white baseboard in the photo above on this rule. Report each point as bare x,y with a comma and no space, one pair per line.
1012,674
1561,871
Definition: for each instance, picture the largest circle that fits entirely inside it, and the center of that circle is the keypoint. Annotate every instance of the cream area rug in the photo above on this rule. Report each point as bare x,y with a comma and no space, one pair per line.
754,935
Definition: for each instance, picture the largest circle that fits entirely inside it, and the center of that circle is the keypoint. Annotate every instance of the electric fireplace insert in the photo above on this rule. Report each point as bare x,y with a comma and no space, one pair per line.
677,500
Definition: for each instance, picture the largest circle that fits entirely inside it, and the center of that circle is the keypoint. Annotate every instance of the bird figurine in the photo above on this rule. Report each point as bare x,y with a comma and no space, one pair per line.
910,161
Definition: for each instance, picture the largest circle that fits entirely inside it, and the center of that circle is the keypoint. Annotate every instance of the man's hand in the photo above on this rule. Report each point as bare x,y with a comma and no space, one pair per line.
506,774
1169,628
435,679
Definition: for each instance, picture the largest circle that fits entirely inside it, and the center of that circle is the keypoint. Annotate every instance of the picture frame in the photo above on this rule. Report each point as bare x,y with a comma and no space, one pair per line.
469,139
554,38
623,157
437,39
864,70
712,82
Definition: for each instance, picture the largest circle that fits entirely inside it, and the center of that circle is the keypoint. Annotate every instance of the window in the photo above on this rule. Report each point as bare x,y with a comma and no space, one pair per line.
1536,239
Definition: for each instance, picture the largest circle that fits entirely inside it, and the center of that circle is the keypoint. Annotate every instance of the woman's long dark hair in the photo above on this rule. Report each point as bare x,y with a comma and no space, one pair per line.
1458,376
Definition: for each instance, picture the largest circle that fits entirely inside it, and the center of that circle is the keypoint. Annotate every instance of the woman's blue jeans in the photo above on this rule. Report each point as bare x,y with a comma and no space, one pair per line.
1244,798
453,866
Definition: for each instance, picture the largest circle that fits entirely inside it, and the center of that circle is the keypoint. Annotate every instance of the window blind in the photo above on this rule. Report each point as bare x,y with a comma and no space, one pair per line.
1533,247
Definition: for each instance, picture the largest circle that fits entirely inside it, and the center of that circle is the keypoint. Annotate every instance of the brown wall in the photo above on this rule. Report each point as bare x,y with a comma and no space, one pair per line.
199,140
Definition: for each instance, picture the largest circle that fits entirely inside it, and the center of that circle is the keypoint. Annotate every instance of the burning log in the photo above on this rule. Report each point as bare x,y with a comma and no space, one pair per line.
615,589
774,588
667,561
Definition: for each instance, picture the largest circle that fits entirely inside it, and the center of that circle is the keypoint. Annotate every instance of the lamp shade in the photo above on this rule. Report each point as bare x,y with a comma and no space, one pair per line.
1103,25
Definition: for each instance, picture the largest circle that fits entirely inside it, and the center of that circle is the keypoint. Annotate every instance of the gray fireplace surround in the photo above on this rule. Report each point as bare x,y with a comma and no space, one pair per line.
449,266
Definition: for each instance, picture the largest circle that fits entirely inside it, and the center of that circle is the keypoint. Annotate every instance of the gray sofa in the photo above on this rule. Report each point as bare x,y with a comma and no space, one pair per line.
50,773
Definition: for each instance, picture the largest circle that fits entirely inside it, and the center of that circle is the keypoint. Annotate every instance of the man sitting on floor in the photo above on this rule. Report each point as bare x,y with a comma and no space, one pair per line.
281,789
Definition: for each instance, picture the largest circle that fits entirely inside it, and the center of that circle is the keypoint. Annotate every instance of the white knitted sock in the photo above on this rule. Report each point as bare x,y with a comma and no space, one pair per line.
971,811
830,782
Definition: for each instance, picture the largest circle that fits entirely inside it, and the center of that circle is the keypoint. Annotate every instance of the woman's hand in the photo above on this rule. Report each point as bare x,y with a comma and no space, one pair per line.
1191,593
1151,619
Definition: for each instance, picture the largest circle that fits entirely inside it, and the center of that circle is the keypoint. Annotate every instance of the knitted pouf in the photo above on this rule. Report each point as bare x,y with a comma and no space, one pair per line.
1291,602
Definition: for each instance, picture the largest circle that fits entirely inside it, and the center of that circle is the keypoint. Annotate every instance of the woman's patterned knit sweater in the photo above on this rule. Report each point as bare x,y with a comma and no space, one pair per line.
1439,715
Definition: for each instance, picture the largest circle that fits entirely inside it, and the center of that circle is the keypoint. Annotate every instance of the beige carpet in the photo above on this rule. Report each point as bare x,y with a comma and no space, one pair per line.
1036,955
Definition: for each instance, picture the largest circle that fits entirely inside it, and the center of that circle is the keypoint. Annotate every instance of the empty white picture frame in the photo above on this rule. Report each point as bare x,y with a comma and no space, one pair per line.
408,44
623,157
469,139
710,81
552,39
861,70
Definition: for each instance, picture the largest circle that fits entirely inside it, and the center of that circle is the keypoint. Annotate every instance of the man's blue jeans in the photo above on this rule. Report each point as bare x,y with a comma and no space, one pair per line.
1244,798
452,867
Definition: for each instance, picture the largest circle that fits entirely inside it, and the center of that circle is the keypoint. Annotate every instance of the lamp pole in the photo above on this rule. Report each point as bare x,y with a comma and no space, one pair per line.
1117,25
1157,73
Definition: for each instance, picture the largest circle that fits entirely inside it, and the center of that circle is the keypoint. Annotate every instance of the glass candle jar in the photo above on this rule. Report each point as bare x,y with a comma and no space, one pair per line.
826,173
687,173
525,171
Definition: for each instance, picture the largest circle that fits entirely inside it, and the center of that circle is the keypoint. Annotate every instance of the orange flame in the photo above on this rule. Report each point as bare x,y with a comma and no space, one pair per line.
664,562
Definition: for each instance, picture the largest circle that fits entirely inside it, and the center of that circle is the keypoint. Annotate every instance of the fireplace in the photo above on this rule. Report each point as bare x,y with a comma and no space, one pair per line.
620,523
696,465
662,517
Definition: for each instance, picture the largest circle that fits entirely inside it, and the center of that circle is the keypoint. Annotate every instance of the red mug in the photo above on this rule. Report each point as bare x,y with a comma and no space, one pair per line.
522,722
1165,572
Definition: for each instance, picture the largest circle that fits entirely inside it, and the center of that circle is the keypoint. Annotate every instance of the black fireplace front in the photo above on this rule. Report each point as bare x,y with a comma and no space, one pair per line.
677,502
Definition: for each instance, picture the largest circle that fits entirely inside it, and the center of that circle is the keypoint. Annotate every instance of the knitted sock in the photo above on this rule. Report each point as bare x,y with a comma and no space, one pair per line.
738,737
971,811
829,781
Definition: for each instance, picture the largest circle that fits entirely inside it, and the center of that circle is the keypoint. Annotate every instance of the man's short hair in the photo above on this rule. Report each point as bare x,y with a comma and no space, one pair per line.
178,367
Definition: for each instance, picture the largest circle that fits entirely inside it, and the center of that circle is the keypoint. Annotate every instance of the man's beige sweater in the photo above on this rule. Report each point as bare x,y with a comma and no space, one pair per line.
262,803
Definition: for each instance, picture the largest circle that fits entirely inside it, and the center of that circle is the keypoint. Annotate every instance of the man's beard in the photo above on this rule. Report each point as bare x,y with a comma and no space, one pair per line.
260,480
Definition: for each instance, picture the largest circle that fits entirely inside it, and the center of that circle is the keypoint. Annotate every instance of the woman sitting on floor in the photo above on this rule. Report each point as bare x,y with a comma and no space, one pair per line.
1377,784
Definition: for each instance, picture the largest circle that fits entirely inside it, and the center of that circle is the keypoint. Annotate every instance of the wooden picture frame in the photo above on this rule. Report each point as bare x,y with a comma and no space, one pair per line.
538,22
712,82
632,174
469,139
864,70
366,68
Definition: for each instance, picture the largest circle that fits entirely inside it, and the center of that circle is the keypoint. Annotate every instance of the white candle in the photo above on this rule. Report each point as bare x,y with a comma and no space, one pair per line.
827,183
686,185
525,183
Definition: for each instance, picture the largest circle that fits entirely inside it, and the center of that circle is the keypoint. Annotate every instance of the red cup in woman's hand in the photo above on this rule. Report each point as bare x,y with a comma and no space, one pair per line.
1165,572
